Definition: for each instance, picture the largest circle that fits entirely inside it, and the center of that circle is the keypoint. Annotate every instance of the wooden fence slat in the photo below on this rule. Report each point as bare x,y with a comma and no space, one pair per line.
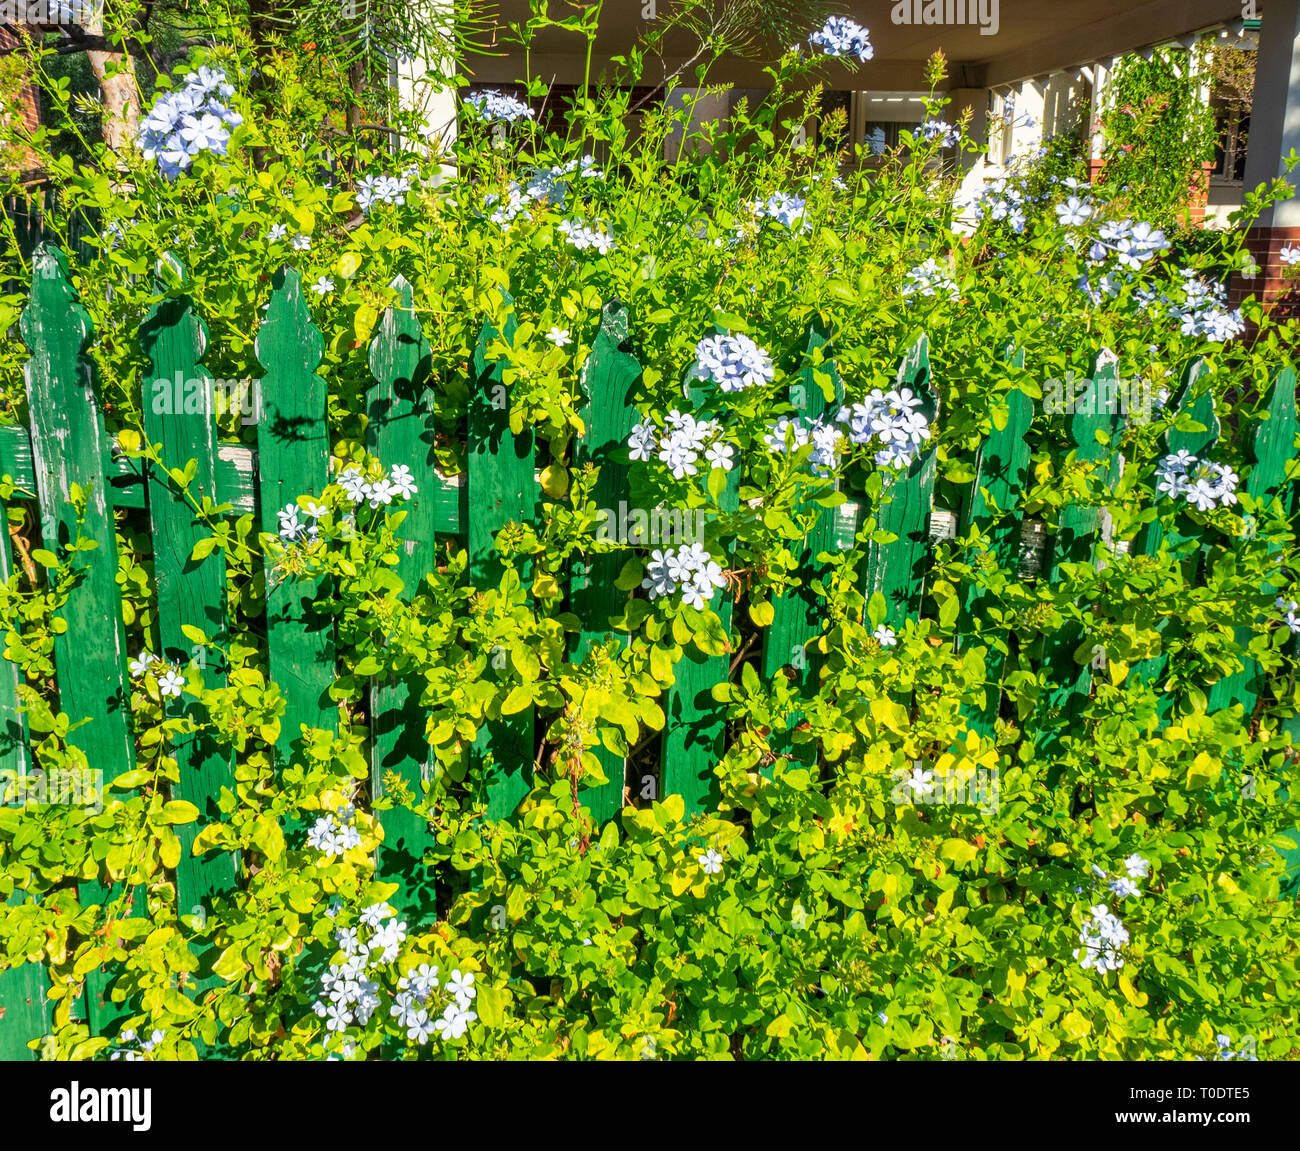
293,455
1001,475
897,569
1271,448
797,616
502,488
69,446
1077,525
695,722
609,378
1148,542
180,417
401,431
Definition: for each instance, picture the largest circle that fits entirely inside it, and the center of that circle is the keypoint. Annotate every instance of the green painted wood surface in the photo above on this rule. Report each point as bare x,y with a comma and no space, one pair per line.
1001,475
1271,447
190,592
1070,681
503,489
69,446
400,430
897,569
797,616
695,724
609,379
1184,532
294,449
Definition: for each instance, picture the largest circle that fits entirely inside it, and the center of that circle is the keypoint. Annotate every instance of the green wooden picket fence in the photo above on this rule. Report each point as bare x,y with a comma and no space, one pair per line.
65,445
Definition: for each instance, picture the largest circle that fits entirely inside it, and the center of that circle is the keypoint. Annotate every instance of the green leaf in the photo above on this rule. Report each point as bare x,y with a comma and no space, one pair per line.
490,1004
520,697
177,811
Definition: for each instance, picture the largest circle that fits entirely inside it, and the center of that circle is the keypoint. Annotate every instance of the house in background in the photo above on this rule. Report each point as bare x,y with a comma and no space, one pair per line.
1025,69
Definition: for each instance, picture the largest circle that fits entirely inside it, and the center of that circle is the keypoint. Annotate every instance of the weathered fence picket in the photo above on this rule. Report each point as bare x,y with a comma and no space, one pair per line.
1001,475
1185,536
401,430
695,722
796,616
501,475
180,419
609,379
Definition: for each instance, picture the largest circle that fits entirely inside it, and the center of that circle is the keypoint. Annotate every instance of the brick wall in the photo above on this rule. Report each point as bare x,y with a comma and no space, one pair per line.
25,162
1265,245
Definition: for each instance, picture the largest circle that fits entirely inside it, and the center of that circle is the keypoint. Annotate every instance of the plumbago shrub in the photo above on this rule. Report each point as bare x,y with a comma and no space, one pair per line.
1099,882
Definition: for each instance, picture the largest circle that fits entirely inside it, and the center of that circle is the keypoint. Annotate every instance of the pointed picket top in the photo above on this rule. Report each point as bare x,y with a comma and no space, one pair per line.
55,325
1199,407
288,331
1273,444
914,372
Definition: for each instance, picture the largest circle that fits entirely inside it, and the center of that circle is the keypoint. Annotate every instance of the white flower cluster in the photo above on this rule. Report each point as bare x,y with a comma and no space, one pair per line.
351,995
1289,609
334,834
170,681
890,421
689,569
546,186
732,362
292,529
840,36
1133,244
940,130
189,120
1123,886
143,1046
1002,198
416,1004
372,190
1202,483
493,106
680,444
1102,937
363,489
791,433
583,236
1204,310
784,209
930,279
